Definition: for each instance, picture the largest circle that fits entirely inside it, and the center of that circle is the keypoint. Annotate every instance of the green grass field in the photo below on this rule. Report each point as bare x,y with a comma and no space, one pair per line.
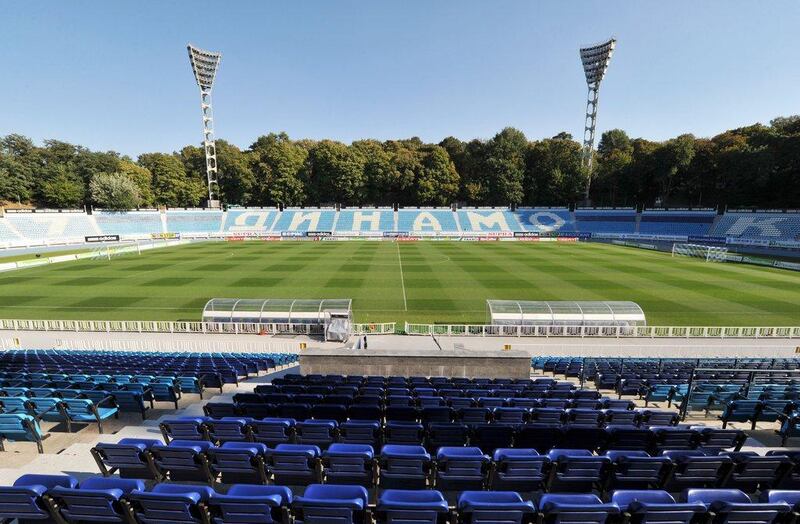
445,282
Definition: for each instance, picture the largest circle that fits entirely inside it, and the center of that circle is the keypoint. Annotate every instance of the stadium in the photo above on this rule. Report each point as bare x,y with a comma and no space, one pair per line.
484,331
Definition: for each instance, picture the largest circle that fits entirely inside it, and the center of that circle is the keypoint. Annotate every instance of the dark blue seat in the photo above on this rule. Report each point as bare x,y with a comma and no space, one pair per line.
712,439
129,458
412,433
741,411
494,507
239,462
622,417
23,500
753,472
360,432
652,417
512,415
637,469
228,429
541,437
183,460
655,507
365,412
489,437
577,470
446,434
251,504
220,409
460,468
404,466
547,415
674,438
170,503
400,506
96,499
295,464
731,505
321,433
273,431
694,469
575,509
519,469
350,464
476,415
183,428
629,438
326,504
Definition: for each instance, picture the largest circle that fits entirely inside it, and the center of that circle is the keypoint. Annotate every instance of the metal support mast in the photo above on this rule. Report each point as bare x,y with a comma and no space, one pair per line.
204,66
595,61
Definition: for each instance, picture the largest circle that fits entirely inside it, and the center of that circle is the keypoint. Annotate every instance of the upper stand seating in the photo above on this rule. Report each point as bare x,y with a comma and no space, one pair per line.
679,223
606,220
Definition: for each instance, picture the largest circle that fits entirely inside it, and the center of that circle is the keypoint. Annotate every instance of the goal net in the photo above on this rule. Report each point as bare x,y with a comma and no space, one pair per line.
709,253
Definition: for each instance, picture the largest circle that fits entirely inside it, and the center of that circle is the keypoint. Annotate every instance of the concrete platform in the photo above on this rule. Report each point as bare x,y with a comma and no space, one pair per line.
420,362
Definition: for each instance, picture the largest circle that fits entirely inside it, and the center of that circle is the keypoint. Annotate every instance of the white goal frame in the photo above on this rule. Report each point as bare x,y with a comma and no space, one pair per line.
709,253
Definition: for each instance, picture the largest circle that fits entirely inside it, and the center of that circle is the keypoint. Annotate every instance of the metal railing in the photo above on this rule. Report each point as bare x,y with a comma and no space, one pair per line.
488,330
156,326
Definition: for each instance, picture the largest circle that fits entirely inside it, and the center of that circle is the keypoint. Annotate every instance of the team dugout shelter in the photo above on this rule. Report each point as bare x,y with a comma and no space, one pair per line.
563,313
331,317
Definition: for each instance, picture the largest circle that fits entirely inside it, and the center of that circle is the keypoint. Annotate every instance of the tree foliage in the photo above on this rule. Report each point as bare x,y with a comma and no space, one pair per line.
757,165
114,191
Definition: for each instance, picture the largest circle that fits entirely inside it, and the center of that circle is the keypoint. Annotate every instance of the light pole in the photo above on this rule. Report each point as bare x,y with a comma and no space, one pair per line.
204,66
595,60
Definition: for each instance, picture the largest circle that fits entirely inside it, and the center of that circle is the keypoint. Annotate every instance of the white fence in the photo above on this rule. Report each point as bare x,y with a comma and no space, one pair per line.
152,326
485,330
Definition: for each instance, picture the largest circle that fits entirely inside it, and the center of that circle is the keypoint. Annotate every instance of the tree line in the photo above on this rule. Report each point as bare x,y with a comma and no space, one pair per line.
757,165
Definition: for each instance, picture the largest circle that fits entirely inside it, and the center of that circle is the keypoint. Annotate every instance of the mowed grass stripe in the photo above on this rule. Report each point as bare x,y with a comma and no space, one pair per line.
445,281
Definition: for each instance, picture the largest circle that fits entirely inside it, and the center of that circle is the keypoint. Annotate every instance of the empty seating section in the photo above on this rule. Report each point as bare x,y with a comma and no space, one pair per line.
766,226
248,220
606,221
427,220
362,220
547,220
49,226
86,387
679,223
487,220
339,449
305,220
194,221
6,233
129,222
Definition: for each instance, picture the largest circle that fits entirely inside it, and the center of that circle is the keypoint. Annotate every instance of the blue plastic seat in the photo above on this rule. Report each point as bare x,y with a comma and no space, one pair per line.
637,469
350,464
21,427
96,499
251,504
713,439
321,433
335,412
183,460
659,418
629,438
403,466
23,500
577,470
494,507
273,431
656,507
575,509
513,415
538,436
741,411
412,433
228,429
519,469
489,437
674,438
84,411
732,505
476,415
326,504
360,432
694,469
460,468
400,506
129,458
446,434
295,464
183,428
239,462
753,472
622,417
170,503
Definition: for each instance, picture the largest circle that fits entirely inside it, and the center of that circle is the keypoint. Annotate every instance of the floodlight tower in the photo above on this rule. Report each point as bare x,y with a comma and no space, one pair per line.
204,66
595,61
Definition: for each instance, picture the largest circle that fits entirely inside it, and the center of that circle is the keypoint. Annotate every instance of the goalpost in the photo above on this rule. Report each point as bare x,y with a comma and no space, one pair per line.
709,253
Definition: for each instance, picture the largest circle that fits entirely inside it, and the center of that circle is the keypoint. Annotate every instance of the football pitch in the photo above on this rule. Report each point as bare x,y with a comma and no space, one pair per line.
426,282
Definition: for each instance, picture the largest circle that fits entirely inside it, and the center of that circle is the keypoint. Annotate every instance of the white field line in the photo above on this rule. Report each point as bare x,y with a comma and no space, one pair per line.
402,278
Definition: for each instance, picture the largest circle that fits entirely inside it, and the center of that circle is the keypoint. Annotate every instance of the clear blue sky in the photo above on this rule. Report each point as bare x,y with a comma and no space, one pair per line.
115,74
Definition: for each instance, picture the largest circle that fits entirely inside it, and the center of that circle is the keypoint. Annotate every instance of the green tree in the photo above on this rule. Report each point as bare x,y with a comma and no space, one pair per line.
61,188
278,167
114,191
437,183
141,178
505,166
171,186
336,173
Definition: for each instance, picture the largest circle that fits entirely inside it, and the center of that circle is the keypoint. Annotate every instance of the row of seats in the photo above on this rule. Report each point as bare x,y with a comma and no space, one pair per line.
60,498
448,467
541,436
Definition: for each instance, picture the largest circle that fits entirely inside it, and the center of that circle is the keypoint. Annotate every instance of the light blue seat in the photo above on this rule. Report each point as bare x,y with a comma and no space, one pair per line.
84,411
19,427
